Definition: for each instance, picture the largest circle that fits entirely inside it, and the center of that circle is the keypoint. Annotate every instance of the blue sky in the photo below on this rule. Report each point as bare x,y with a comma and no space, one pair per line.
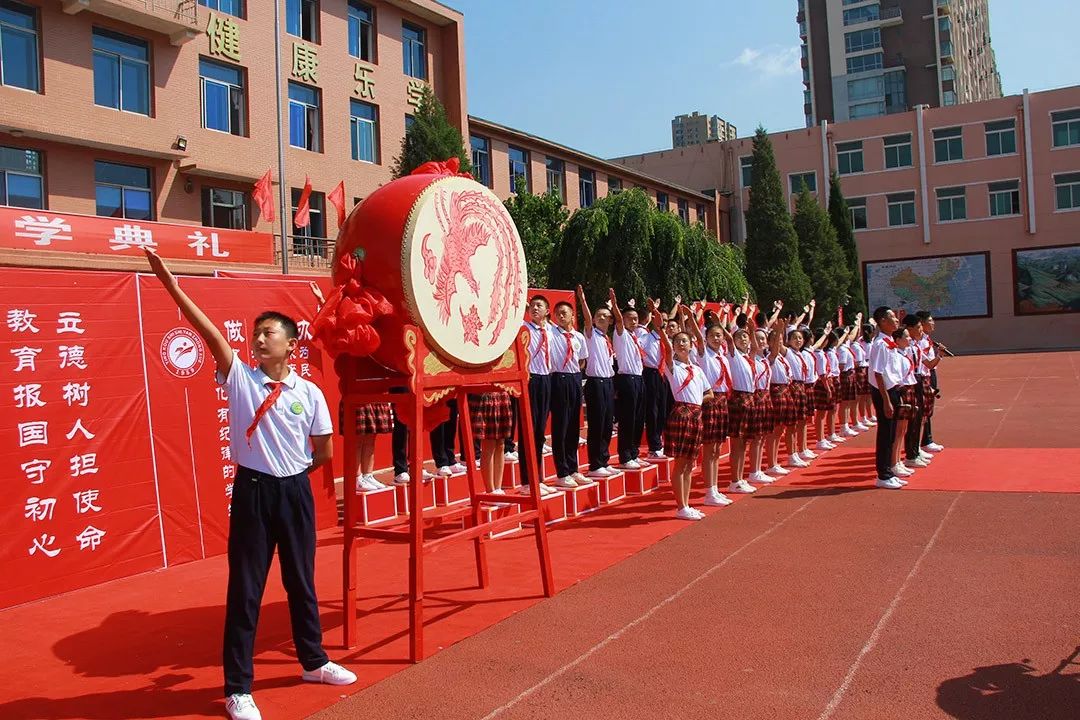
607,76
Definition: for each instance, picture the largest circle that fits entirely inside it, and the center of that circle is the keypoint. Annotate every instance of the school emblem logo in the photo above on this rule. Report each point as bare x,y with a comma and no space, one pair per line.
182,352
296,408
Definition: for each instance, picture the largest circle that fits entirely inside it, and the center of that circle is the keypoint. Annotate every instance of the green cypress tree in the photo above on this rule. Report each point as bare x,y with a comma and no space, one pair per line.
431,137
840,216
773,268
821,255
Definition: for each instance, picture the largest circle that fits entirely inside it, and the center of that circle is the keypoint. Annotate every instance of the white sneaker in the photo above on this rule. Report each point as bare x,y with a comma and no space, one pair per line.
760,477
458,468
824,445
871,421
916,463
445,471
498,491
741,487
834,438
631,465
427,476
330,674
797,462
933,447
715,498
611,470
582,441
241,706
566,482
889,484
688,513
900,480
850,431
547,449
900,471
599,473
476,463
510,457
861,427
778,470
580,479
368,482
544,490
809,454
701,515
656,454
402,478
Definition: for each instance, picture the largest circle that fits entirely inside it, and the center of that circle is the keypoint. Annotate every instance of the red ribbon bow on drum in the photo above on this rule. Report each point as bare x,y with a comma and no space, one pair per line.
446,167
345,322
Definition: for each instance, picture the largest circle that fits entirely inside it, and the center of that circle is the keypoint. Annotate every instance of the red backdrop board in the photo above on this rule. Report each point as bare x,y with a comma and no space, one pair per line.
190,411
43,230
80,504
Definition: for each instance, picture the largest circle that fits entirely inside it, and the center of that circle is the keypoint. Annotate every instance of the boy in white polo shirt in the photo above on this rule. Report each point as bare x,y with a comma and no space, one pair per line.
280,429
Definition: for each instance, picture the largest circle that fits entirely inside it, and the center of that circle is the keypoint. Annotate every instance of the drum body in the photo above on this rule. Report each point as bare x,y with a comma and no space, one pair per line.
446,255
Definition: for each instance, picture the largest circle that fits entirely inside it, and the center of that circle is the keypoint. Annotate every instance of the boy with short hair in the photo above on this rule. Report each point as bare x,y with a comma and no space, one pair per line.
885,394
568,355
280,430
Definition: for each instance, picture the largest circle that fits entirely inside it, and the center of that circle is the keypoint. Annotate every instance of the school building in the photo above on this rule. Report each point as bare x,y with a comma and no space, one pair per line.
971,209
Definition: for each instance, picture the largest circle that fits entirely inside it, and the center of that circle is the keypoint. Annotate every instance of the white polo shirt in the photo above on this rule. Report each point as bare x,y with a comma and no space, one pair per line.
650,343
628,352
742,375
881,350
601,352
541,353
810,375
904,361
847,358
687,382
796,365
716,369
567,353
279,445
781,371
858,348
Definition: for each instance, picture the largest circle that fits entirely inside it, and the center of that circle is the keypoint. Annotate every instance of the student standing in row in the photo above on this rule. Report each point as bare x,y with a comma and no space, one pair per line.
742,345
915,456
281,430
599,388
885,394
930,349
903,364
710,358
540,364
568,356
629,387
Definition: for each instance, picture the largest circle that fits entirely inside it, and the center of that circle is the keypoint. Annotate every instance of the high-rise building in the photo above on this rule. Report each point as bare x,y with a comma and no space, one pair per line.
862,58
696,129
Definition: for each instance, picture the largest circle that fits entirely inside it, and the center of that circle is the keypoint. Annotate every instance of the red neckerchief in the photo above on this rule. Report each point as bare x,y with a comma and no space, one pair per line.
802,362
267,403
640,349
689,379
569,349
544,348
662,365
610,347
725,376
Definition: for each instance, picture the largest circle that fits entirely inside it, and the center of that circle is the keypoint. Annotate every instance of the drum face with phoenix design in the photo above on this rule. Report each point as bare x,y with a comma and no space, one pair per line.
446,255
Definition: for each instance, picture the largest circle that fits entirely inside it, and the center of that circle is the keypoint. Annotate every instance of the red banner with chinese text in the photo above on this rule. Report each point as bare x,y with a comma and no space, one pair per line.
24,229
80,505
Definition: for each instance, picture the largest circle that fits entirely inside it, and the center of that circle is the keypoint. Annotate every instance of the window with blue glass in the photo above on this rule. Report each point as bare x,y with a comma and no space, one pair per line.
310,240
862,40
223,101
481,159
305,118
798,180
519,168
361,31
746,170
121,72
123,191
364,131
414,51
302,19
19,65
223,208
662,201
21,183
229,7
862,63
586,186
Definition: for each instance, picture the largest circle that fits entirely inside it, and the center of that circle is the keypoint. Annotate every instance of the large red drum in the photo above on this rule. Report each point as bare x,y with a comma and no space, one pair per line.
445,254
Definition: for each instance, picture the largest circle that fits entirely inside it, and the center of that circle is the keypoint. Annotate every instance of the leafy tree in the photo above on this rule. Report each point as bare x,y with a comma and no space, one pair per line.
431,137
540,220
840,216
725,271
773,267
821,255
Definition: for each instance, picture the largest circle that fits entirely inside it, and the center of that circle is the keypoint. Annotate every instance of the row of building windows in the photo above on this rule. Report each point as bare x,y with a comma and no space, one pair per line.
302,21
122,62
1003,200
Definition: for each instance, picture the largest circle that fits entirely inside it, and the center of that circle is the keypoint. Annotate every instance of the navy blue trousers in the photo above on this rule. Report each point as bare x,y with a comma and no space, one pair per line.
565,421
600,415
630,411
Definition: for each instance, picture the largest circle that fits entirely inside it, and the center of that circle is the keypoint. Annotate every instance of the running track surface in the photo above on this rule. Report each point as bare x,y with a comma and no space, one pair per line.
819,597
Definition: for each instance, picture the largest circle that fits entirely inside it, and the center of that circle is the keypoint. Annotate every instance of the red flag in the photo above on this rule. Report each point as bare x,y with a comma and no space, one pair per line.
264,197
337,197
303,208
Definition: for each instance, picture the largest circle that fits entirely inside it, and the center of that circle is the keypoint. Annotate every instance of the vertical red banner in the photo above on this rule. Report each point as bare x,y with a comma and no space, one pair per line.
189,410
75,452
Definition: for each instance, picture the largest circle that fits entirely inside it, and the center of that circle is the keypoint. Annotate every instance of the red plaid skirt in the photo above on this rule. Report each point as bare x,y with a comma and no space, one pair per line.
714,418
741,415
862,380
847,385
908,403
371,419
824,397
491,416
682,435
764,415
926,396
785,406
809,397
